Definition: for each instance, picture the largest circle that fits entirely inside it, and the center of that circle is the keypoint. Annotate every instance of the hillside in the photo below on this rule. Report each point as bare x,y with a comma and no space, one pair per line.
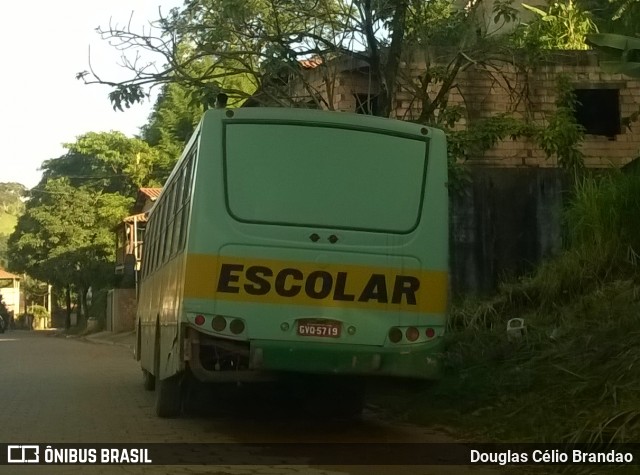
7,223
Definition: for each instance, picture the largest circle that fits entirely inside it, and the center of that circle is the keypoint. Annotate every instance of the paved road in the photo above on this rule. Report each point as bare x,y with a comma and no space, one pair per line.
56,390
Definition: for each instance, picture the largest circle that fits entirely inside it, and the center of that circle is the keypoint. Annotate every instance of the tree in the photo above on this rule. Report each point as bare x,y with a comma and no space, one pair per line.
272,42
65,235
172,122
109,162
265,41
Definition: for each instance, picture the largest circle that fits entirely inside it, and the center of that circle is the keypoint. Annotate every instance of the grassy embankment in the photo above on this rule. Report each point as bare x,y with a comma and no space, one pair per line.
575,376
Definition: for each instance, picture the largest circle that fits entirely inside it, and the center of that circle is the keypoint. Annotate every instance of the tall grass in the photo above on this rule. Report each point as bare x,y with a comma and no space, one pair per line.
575,375
603,219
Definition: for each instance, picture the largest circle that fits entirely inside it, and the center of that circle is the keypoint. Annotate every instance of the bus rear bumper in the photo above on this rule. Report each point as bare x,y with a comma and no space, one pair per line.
419,361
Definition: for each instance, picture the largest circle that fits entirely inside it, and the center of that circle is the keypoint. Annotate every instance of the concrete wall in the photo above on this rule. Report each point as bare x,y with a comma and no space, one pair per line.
507,221
121,310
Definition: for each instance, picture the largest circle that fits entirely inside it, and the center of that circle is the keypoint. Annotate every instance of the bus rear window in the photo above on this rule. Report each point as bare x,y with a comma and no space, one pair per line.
322,176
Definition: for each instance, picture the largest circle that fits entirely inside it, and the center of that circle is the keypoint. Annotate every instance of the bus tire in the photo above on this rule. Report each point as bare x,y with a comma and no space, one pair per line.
169,396
148,380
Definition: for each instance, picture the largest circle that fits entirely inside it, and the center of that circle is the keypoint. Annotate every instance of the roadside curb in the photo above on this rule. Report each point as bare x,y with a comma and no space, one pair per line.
124,340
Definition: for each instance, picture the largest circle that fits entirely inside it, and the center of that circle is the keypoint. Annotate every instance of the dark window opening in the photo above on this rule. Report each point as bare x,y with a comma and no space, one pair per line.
598,111
366,104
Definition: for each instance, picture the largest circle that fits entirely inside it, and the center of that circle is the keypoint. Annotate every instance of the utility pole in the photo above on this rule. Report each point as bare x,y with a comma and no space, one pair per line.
49,305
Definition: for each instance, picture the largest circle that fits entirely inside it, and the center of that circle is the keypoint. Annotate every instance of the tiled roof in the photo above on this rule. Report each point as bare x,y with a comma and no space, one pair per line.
152,193
7,275
310,63
140,218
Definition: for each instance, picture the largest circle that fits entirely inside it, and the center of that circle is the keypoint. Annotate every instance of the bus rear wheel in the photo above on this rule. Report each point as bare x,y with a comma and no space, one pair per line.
148,380
169,396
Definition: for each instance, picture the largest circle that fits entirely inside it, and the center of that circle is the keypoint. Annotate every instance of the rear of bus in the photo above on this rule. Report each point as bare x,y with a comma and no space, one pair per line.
318,244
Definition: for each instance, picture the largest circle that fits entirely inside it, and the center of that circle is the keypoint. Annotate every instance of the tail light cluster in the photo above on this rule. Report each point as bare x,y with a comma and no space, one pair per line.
220,323
411,334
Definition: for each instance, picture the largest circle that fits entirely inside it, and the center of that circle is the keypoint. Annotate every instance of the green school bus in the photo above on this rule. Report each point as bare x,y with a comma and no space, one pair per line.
291,241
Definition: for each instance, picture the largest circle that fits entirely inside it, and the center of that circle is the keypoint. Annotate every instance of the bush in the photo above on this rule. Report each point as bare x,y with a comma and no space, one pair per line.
40,316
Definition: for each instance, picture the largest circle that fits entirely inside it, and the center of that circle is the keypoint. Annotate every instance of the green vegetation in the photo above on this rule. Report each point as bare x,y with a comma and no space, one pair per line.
40,315
563,26
65,236
11,206
7,223
573,377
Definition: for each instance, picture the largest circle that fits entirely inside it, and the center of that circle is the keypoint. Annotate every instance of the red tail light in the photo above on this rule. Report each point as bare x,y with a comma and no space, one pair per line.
412,334
199,320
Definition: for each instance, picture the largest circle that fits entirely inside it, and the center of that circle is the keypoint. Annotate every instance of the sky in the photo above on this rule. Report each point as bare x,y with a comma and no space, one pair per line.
42,105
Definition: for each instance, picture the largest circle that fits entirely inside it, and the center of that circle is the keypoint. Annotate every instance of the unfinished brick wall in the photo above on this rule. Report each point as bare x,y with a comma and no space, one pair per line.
484,94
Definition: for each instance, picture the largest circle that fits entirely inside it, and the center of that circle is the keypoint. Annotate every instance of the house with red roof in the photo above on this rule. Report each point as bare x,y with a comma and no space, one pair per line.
121,301
130,232
10,291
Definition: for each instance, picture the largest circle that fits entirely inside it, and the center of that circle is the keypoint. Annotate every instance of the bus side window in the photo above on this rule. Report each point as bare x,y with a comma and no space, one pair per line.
162,232
181,220
170,216
177,222
146,250
152,238
186,198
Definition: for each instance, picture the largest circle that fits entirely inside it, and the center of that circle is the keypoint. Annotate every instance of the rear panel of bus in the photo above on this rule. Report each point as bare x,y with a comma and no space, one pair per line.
318,243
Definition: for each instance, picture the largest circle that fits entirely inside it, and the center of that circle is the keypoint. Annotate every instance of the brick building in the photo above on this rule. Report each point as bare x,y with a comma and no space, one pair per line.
509,217
606,100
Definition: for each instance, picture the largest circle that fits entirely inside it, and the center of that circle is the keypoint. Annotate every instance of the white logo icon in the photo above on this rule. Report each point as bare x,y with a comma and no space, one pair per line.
23,454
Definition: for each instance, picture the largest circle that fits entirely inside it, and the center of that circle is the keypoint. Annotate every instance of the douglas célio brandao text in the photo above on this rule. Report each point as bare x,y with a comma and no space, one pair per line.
541,456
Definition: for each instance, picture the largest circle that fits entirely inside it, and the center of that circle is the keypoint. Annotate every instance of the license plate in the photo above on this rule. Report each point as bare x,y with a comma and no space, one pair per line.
320,329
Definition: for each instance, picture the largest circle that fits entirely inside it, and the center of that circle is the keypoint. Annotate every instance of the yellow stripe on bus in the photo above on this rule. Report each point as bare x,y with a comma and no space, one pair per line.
308,283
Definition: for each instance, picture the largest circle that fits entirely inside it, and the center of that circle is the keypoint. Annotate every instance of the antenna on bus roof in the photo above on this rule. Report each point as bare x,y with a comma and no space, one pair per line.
221,100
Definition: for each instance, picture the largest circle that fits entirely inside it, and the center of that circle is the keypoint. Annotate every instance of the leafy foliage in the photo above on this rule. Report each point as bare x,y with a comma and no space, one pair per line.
621,55
213,46
254,47
65,234
563,134
38,311
172,122
109,162
614,16
563,26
